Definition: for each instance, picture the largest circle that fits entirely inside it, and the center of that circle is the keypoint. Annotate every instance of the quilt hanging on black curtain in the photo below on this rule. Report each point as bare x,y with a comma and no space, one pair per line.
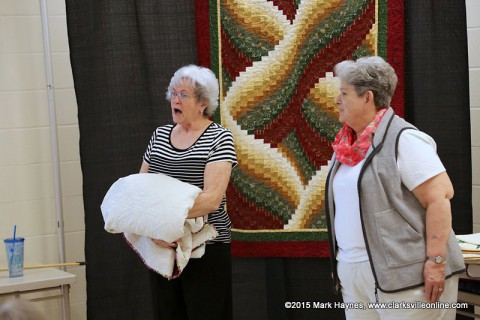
275,64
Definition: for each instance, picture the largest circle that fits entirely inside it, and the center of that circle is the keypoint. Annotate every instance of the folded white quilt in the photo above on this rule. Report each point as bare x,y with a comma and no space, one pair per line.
147,205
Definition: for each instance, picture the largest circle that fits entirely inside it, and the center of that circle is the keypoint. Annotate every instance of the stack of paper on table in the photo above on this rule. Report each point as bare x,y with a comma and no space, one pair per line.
470,245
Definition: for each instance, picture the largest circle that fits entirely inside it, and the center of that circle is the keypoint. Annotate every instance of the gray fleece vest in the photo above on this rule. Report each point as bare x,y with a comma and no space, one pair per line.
393,220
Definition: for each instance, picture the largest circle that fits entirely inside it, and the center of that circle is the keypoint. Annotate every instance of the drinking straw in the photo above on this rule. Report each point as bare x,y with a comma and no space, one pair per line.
12,249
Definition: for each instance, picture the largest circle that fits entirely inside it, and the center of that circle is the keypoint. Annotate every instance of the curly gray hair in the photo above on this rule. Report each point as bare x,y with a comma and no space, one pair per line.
204,82
370,74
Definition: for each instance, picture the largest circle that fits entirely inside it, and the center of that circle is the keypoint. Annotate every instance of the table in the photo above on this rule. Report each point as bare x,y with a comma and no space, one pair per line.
472,298
36,280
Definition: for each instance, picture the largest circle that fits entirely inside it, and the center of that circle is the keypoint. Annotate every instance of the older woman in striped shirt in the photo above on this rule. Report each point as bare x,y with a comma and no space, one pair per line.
198,151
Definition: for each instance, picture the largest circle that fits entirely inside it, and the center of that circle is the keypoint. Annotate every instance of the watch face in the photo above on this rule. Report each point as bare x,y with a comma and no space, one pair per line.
438,259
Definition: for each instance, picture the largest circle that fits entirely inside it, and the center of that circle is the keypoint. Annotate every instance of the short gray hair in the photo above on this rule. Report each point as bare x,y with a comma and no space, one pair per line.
204,82
370,73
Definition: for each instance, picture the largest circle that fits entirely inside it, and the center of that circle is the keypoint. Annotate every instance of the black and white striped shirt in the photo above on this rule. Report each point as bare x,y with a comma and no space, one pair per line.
188,165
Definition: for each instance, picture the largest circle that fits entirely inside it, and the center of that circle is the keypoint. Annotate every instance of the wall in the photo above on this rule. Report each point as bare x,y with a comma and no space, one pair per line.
473,31
27,197
26,171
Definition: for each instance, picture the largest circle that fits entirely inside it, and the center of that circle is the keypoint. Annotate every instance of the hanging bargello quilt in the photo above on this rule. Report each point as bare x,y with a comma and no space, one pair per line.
274,60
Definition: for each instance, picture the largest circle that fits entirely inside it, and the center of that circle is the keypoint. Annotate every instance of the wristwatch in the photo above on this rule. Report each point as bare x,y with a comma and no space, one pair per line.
437,259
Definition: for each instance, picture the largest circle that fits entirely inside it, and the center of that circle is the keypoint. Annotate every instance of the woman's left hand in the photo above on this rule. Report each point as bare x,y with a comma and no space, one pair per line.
165,244
434,277
434,195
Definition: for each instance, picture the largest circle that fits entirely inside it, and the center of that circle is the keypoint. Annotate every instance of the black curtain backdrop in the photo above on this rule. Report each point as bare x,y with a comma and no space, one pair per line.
123,54
437,91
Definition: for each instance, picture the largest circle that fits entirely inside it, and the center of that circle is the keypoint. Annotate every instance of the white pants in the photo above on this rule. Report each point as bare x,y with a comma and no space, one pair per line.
358,286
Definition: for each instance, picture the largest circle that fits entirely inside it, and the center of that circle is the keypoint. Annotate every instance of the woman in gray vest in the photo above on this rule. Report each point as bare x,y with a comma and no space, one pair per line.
394,253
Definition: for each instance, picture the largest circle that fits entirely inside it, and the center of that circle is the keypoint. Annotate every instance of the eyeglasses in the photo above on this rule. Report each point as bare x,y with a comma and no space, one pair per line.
181,95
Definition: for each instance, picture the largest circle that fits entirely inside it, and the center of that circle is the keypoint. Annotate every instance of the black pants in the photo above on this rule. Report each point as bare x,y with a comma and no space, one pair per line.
203,290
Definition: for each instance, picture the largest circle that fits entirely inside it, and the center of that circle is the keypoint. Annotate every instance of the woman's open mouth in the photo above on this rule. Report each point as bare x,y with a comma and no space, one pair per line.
177,111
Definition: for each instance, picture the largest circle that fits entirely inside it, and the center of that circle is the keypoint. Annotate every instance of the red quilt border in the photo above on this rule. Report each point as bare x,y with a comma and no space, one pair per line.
281,249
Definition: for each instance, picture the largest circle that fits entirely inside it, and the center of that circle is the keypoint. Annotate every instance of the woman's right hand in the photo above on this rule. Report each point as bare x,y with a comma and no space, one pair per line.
164,244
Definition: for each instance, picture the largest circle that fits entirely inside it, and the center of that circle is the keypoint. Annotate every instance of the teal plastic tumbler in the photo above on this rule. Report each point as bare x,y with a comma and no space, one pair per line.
14,248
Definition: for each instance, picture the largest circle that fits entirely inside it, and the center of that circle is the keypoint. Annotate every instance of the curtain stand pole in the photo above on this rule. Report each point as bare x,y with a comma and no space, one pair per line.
53,133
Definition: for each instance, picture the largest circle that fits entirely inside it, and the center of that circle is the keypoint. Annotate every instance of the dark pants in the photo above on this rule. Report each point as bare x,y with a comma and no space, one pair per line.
203,290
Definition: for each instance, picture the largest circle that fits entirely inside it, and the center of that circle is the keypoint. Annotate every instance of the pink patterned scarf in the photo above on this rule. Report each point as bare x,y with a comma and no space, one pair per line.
349,149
